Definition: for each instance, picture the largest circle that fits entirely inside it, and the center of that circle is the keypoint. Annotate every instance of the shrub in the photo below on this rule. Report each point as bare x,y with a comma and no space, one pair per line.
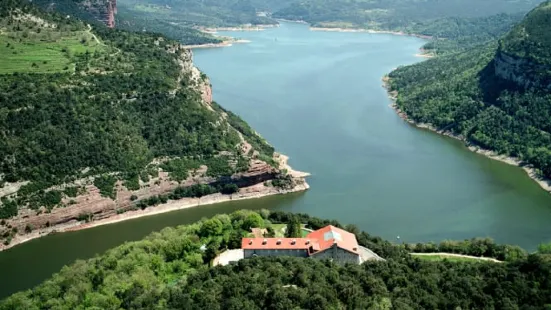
28,228
230,188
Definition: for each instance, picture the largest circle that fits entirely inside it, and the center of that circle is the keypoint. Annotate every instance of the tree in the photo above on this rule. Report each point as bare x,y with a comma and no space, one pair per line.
229,189
544,248
270,232
211,227
293,228
251,221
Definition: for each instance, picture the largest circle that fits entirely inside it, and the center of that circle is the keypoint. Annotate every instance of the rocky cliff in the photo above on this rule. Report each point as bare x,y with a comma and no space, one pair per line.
91,205
522,71
103,10
89,10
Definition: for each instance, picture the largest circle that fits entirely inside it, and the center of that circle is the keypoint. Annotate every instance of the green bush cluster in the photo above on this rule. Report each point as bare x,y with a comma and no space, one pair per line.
106,184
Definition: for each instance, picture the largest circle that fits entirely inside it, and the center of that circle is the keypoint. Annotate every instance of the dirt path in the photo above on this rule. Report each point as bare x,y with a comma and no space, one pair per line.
101,43
93,35
458,255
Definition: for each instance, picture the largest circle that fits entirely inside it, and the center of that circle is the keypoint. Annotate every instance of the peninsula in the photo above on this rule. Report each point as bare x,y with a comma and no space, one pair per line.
120,131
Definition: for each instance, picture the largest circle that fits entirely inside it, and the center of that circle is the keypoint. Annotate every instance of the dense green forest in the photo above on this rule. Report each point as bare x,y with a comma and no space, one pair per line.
135,21
531,39
170,270
210,13
78,101
456,34
506,112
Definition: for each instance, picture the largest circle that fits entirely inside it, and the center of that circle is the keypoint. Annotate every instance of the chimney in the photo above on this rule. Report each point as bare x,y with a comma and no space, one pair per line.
264,242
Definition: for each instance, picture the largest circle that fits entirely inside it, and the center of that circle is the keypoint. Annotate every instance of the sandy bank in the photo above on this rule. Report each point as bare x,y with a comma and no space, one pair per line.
398,33
214,30
532,173
292,21
423,54
228,41
255,191
225,43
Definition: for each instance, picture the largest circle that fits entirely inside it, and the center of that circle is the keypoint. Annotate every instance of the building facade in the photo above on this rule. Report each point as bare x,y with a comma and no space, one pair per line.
326,243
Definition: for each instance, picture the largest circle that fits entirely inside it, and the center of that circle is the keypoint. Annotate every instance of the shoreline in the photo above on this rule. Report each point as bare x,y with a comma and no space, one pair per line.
292,21
398,33
226,43
258,190
261,27
251,192
422,52
544,183
226,40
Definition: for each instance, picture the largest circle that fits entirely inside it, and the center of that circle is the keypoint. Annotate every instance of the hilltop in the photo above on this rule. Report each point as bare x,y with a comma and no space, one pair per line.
171,270
97,122
495,97
530,39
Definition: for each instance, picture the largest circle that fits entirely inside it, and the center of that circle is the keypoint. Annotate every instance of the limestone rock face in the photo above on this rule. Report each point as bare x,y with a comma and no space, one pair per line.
521,71
92,203
103,10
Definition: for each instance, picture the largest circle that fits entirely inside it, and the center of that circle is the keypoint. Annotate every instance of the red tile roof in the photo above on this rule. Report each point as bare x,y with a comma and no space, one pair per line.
329,235
320,240
276,243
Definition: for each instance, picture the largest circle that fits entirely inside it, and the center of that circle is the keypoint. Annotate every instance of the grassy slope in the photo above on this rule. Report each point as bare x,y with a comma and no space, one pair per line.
43,52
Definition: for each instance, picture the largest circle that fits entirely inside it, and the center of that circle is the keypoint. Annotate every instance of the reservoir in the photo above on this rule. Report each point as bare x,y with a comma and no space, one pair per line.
317,97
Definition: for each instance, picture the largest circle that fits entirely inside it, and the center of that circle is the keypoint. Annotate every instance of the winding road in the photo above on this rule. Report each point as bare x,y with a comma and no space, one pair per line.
458,255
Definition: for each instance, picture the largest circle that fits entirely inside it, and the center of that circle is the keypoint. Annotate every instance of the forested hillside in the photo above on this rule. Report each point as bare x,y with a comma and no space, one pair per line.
170,270
497,97
126,114
396,14
211,13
